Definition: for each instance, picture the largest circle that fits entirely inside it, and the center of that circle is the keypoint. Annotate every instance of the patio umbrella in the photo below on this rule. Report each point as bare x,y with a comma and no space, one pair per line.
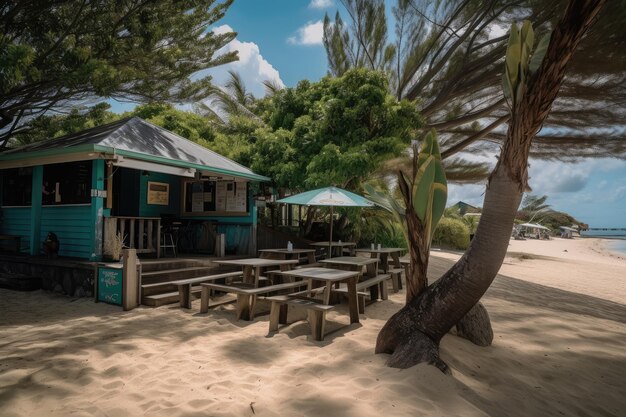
328,196
533,225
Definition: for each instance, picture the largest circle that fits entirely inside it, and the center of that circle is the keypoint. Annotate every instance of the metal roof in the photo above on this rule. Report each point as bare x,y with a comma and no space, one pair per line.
139,139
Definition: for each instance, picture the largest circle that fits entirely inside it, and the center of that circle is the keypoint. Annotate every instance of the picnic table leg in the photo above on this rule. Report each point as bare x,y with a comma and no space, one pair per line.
316,321
396,260
247,274
243,307
372,271
184,295
384,260
326,295
204,300
352,300
274,315
311,257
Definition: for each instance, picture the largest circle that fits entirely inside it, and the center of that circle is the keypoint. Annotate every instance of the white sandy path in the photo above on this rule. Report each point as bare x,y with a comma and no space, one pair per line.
557,351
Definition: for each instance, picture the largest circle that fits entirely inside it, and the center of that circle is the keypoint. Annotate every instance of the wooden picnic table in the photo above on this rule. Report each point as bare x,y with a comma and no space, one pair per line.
334,245
354,263
383,254
252,267
331,276
286,254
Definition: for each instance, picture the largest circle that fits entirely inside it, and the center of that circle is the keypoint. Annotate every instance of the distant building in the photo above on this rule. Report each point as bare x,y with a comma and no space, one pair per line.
465,208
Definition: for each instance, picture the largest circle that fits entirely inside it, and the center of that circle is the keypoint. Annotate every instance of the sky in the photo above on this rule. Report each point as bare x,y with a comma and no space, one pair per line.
281,40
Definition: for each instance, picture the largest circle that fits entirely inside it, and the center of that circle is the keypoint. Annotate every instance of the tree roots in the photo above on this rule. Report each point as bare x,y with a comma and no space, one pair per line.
476,326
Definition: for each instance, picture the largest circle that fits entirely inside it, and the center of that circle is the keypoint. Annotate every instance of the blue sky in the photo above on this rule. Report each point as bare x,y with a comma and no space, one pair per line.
281,40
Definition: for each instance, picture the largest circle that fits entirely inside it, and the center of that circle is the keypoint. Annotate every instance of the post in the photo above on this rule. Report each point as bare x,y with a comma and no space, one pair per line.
35,210
130,283
330,239
109,185
97,208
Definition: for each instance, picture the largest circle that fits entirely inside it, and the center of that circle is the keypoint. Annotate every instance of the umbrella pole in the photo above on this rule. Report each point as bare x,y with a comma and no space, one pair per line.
330,239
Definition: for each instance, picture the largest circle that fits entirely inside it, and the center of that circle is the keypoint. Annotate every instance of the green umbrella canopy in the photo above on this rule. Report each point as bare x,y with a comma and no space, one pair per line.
328,196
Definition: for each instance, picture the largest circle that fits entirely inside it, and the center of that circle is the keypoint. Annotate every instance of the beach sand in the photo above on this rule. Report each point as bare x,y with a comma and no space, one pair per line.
559,316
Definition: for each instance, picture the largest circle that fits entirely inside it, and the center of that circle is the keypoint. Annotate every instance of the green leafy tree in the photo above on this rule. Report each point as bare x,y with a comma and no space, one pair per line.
54,54
336,131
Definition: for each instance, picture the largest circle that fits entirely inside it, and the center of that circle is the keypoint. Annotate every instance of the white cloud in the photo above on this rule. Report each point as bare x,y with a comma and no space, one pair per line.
320,4
253,68
310,34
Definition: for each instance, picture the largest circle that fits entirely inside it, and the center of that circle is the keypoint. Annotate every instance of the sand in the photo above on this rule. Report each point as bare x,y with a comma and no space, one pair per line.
560,332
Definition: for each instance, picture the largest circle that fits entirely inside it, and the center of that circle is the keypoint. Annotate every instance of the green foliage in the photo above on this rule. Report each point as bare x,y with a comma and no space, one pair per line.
429,188
52,53
452,233
335,131
427,192
362,45
46,127
520,61
534,203
186,124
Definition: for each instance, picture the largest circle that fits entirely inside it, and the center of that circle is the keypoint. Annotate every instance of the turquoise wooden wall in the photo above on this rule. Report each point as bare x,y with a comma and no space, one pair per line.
73,226
154,210
16,221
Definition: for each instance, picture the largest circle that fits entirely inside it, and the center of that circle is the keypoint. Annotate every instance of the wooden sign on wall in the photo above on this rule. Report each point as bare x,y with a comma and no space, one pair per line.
158,193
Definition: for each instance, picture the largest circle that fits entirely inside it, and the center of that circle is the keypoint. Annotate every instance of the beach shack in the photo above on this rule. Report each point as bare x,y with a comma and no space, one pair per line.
64,198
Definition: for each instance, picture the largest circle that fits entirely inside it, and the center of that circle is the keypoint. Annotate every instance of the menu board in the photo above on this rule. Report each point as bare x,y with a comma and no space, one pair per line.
158,193
216,196
240,197
220,196
110,285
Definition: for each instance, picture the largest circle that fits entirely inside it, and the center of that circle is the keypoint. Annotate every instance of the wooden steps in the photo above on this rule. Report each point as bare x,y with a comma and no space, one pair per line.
157,277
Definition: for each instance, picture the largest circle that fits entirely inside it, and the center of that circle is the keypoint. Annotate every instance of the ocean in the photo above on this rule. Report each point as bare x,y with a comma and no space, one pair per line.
618,236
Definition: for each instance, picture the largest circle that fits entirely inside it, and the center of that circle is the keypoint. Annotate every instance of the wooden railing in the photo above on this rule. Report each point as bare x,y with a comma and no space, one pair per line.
141,233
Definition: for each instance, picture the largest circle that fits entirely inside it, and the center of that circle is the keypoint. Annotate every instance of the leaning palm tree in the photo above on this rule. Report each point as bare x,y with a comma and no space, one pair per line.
413,334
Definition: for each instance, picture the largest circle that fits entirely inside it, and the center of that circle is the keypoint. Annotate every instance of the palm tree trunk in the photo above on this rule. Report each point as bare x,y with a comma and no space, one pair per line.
413,334
417,281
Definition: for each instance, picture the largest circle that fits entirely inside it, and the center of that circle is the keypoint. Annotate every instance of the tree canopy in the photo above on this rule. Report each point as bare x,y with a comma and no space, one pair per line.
56,54
335,131
449,55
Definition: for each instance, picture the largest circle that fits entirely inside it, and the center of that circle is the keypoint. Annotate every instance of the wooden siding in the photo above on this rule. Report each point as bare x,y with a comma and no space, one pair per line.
16,221
72,225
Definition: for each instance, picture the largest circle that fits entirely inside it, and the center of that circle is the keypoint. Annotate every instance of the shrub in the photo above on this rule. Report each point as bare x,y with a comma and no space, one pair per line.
452,233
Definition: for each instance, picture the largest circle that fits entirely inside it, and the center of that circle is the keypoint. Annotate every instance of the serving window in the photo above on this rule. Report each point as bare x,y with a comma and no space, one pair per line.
206,197
17,184
67,183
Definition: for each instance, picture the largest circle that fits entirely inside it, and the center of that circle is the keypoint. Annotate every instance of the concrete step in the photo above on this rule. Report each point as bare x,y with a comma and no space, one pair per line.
157,300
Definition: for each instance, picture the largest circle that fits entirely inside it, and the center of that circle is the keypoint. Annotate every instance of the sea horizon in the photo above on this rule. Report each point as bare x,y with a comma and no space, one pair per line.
617,237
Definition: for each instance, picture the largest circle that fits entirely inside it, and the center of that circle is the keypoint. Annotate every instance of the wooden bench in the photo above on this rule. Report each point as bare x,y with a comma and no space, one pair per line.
316,313
17,241
246,295
185,286
396,278
377,286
